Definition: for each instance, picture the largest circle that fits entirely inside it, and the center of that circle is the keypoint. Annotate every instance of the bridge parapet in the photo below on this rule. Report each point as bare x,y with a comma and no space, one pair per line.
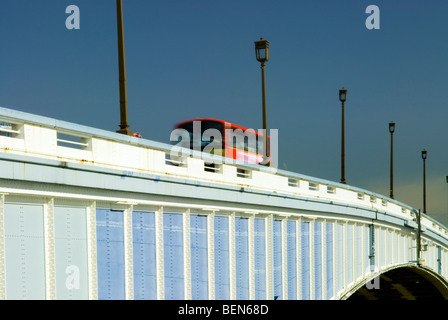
31,135
62,183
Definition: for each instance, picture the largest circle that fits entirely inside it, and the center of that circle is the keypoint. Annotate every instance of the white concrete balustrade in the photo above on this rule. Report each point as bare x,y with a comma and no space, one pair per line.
273,233
99,150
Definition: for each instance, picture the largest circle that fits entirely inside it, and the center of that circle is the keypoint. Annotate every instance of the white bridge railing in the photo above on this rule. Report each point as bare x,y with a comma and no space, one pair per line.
334,223
27,134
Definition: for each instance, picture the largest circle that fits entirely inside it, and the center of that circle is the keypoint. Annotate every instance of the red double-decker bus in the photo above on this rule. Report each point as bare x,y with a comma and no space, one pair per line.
235,141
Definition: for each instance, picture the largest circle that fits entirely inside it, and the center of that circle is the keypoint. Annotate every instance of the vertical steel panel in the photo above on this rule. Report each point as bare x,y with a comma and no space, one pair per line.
312,261
372,245
270,257
406,248
292,259
389,247
144,255
284,260
349,245
222,257
334,226
364,245
49,249
340,252
305,260
173,256
395,253
401,248
211,255
128,253
443,257
199,257
2,249
160,256
443,265
378,248
379,253
71,253
260,258
92,251
186,236
324,257
232,257
299,258
318,261
24,252
251,240
278,294
111,259
329,259
242,258
383,248
358,250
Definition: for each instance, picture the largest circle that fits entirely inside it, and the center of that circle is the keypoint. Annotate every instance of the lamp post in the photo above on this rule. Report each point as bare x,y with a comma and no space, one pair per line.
343,98
424,156
419,237
262,55
391,130
124,126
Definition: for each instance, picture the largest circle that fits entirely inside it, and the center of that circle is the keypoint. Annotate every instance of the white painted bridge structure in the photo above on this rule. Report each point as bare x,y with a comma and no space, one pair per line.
90,214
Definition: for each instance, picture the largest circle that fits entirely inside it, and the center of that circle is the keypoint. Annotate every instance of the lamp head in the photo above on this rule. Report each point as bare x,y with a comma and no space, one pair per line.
424,154
343,94
262,50
391,127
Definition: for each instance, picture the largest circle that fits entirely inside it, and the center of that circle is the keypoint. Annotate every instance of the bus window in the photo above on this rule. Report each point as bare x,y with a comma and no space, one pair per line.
200,140
235,142
243,140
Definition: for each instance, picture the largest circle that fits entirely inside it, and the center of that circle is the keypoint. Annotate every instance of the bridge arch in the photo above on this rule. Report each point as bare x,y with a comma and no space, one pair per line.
403,282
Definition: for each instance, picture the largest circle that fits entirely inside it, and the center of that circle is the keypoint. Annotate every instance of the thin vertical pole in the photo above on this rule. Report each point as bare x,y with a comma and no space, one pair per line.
343,145
424,185
265,119
124,126
391,165
419,238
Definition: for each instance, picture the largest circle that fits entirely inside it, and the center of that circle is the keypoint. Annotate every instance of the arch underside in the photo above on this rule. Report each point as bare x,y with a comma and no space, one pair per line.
409,282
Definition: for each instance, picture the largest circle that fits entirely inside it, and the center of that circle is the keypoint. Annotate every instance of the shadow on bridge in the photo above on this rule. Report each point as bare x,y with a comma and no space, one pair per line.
405,283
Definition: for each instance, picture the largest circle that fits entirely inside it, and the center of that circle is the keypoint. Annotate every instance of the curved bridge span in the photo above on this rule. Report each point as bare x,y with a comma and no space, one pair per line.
90,214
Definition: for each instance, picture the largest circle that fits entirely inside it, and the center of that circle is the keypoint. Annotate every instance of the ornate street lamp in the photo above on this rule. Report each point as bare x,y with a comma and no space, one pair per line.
262,55
262,50
424,156
343,98
392,130
124,126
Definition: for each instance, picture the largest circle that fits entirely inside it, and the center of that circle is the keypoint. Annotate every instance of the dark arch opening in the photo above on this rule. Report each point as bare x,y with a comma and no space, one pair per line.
405,283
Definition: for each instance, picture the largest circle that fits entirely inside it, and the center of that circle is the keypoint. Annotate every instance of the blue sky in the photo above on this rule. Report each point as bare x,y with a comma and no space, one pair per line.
195,58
